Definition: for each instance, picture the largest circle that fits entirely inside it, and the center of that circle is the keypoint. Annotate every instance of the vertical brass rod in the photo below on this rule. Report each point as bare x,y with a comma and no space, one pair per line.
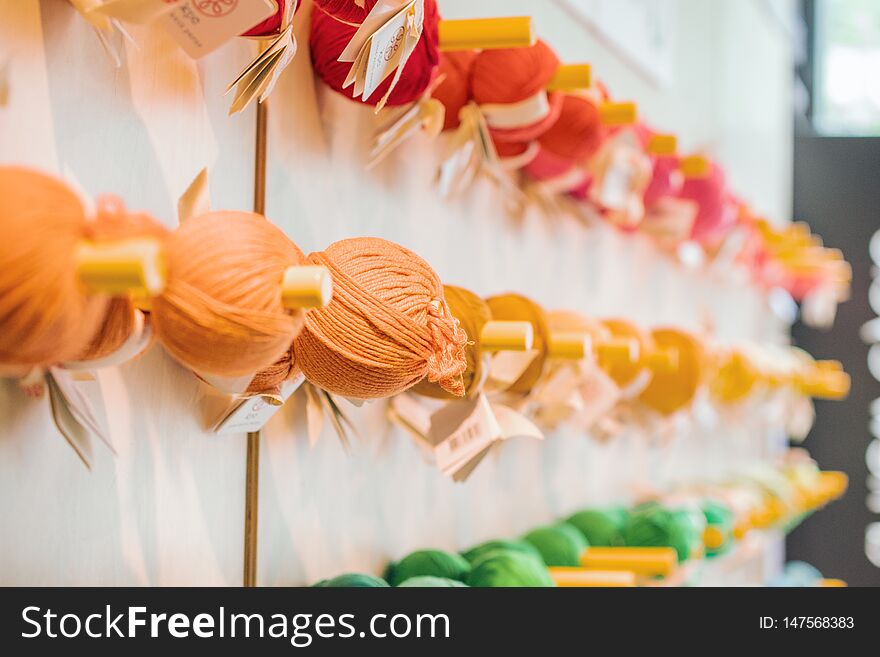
252,467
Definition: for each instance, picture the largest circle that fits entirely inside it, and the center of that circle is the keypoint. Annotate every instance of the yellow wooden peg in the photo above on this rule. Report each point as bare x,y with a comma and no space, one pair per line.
121,268
486,33
306,287
507,336
571,77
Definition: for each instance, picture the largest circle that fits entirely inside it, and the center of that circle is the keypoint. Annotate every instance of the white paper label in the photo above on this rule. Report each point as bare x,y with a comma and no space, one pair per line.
462,429
506,367
382,45
200,26
252,413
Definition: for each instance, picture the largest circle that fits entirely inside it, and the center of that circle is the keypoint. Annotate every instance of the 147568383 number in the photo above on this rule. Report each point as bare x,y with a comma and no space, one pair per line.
818,622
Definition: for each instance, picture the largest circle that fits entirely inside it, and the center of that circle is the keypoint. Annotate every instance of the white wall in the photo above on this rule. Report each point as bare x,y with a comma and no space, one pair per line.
168,509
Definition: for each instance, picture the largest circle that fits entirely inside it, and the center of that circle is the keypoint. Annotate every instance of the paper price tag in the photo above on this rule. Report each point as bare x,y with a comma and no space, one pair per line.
507,366
382,45
200,26
252,412
462,429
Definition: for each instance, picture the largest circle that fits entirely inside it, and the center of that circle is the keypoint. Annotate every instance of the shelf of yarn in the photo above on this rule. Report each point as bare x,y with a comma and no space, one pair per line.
672,541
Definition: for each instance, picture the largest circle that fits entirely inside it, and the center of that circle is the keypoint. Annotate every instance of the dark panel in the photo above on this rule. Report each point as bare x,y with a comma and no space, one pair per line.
837,191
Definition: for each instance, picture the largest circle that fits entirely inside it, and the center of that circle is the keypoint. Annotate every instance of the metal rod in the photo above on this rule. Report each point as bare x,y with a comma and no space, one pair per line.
252,466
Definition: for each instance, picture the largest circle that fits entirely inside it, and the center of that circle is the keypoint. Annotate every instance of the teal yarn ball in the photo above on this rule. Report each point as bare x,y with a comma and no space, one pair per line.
559,545
719,516
353,580
602,527
478,551
434,563
652,525
429,582
509,568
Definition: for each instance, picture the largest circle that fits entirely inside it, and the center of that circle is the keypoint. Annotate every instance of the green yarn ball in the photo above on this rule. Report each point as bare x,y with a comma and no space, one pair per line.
652,525
509,568
559,545
435,563
721,517
430,582
354,580
602,527
478,551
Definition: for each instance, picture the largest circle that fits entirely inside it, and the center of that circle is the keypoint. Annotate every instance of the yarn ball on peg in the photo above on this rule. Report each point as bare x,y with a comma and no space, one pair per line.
476,552
113,221
575,136
512,82
454,89
46,315
710,194
601,527
387,327
652,525
505,568
329,37
720,521
472,313
433,563
559,545
430,582
515,307
352,581
221,312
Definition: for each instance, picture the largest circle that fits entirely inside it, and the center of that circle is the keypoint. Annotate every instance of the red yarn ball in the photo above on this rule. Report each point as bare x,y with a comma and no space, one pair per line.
346,11
269,26
329,37
714,216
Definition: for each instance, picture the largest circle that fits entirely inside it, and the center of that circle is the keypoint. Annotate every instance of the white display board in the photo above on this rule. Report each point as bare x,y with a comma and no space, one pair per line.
168,507
643,32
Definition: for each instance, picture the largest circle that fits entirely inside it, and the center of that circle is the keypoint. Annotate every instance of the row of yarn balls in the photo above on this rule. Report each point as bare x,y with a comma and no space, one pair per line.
524,562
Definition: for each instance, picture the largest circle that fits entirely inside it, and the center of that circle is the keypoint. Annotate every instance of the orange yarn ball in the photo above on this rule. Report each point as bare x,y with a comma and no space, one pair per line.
46,316
577,133
114,222
510,75
387,327
221,311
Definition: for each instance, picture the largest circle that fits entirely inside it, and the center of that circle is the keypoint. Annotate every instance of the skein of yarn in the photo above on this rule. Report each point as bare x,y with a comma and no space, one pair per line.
387,327
510,86
222,311
705,185
329,37
575,137
517,308
47,314
114,223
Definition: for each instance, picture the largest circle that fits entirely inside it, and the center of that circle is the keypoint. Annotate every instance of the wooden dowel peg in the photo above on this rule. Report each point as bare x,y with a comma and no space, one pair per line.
568,577
507,336
571,77
616,114
649,561
486,33
124,267
306,287
617,351
569,345
662,145
664,359
695,166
